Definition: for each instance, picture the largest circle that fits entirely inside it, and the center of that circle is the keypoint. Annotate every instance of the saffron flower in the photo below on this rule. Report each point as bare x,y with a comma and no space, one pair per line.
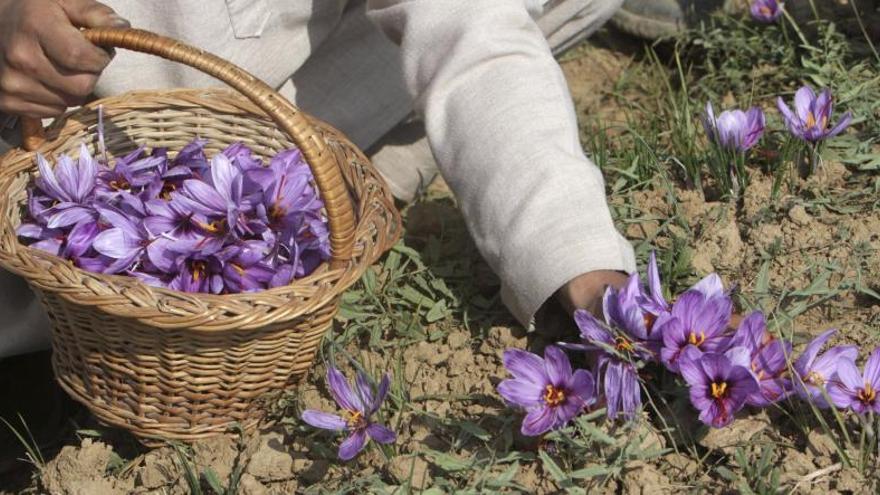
651,299
70,186
766,359
546,388
766,10
698,319
720,384
734,129
812,115
358,406
615,371
857,391
813,372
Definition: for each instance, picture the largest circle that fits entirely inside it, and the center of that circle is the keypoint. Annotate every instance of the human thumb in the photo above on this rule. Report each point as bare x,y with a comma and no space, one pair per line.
91,14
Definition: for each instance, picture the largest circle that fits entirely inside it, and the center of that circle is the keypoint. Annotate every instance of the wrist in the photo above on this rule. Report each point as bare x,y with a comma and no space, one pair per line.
586,290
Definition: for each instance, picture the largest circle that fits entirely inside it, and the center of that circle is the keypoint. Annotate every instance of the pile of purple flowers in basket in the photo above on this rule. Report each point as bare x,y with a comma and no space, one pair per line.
724,369
225,225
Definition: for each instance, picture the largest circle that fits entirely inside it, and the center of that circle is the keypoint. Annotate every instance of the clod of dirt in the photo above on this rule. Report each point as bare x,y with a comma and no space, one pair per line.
646,479
797,465
81,471
820,444
308,470
798,214
411,468
217,453
158,470
270,460
739,432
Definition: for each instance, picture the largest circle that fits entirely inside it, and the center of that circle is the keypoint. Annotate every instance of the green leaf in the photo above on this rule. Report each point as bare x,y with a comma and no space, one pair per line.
551,467
590,472
448,462
213,481
437,312
474,429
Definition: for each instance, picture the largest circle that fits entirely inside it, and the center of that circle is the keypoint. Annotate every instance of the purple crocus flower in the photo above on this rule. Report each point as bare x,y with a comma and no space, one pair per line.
198,273
766,10
546,388
358,406
70,186
129,174
813,372
734,129
812,115
720,384
246,270
698,319
287,191
767,359
43,238
623,309
651,298
127,240
857,391
615,371
222,198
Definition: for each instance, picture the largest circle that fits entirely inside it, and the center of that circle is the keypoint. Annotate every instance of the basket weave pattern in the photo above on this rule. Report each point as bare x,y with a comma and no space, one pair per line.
171,365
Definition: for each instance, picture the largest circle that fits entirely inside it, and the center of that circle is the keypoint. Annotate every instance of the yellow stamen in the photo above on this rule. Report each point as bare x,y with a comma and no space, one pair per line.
867,394
624,345
354,418
811,121
198,268
718,390
554,396
697,340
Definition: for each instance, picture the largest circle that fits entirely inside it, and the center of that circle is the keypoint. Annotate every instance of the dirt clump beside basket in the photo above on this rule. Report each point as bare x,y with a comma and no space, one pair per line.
169,365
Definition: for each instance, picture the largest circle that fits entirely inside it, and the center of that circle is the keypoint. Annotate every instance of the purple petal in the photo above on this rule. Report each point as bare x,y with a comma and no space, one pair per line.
521,393
384,385
69,214
872,369
381,434
526,366
591,329
48,182
538,421
849,376
715,366
203,198
739,356
710,286
692,371
557,365
803,102
654,284
340,390
353,445
842,396
115,244
826,364
841,126
326,421
791,120
750,333
364,390
582,385
805,361
613,389
631,392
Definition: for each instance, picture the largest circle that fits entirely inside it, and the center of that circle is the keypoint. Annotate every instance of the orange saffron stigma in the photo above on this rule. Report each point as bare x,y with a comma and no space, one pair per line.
238,268
119,185
811,121
867,395
697,340
649,321
718,390
624,345
553,396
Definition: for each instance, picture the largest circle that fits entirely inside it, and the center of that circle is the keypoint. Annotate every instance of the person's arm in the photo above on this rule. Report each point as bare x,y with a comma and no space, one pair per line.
46,64
502,126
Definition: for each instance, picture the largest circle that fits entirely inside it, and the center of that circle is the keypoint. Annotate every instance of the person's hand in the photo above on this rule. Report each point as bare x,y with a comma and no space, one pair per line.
46,64
586,291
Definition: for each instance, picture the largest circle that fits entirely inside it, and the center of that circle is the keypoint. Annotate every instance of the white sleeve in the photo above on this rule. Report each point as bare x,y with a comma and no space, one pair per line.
502,127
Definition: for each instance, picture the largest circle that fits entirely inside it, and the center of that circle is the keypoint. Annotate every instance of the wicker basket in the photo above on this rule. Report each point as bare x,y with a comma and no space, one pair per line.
170,365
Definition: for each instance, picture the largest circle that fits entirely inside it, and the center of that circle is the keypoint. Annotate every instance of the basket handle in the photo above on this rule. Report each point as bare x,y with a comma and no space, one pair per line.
327,174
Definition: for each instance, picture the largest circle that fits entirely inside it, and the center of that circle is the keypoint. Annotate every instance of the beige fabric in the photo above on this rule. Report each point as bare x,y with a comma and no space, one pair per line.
496,108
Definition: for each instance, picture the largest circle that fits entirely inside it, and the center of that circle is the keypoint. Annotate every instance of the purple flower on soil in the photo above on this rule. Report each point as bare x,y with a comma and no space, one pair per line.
615,371
734,129
624,309
546,388
719,384
857,391
70,187
812,115
813,372
698,319
767,360
358,406
766,10
651,299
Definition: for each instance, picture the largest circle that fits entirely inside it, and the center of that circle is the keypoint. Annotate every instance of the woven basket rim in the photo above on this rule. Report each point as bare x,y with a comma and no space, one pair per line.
71,123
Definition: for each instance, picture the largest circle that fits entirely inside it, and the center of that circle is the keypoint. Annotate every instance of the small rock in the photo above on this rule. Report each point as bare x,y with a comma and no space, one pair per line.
218,453
310,471
798,214
248,485
646,479
412,469
270,461
157,471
